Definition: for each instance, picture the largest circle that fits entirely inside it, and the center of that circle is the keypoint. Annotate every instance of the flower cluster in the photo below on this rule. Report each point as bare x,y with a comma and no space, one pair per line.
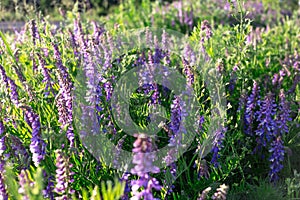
250,108
276,158
217,145
3,192
48,191
221,193
34,31
175,120
185,17
283,116
64,100
63,176
143,159
37,145
10,85
267,128
47,78
20,154
272,123
206,31
2,139
24,184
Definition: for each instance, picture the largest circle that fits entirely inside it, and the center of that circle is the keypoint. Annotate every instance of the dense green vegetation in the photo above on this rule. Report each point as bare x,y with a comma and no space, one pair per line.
249,62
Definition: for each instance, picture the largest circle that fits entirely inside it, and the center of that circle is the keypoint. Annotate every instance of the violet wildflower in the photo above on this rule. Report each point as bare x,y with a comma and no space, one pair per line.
235,68
97,32
189,55
37,145
188,72
77,29
47,78
276,159
296,81
10,85
221,193
34,32
64,102
20,154
250,108
206,30
202,169
46,52
64,76
283,117
125,178
217,145
23,81
171,156
64,176
266,129
143,158
3,191
275,79
282,74
178,115
108,87
233,79
24,184
14,96
73,43
204,194
189,18
296,65
179,7
2,139
48,191
89,66
4,76
175,115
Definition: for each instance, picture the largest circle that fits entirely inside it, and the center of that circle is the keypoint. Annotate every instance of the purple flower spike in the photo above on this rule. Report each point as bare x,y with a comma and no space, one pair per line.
175,115
143,158
64,176
250,107
34,32
217,145
64,100
276,159
48,191
20,154
2,139
23,182
283,116
4,76
37,145
14,96
47,78
3,192
206,28
266,129
188,72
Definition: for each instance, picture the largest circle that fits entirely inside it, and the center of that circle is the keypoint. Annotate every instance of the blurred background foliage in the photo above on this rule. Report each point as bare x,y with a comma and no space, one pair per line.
21,10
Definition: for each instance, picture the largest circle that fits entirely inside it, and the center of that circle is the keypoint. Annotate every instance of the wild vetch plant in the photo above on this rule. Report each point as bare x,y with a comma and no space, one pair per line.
240,56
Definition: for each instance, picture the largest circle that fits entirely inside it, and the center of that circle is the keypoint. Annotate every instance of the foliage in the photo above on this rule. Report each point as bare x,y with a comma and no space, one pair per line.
253,47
